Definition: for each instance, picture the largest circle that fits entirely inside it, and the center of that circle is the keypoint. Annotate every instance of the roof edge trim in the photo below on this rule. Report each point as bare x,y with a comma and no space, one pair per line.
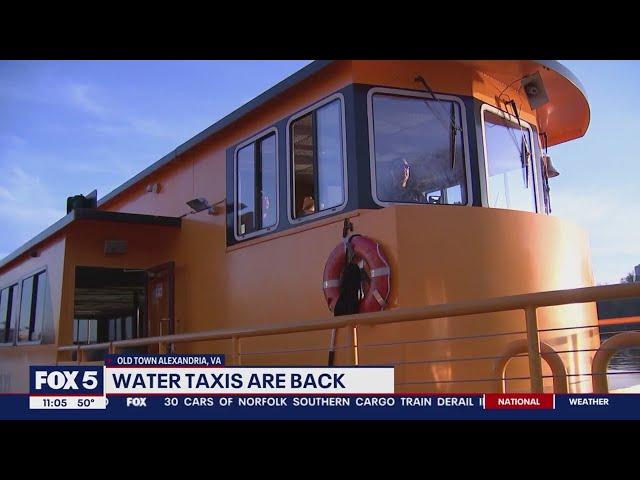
89,214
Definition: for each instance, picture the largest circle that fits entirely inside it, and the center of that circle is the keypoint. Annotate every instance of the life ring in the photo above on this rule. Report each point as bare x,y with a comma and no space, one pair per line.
375,297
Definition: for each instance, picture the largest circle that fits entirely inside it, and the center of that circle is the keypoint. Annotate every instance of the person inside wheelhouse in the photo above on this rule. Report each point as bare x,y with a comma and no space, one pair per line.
419,155
418,150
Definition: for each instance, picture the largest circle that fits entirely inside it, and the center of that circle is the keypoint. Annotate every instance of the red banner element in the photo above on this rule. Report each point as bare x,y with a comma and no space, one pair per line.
519,401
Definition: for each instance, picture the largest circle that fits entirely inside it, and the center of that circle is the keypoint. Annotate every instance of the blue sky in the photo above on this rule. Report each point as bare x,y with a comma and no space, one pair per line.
70,127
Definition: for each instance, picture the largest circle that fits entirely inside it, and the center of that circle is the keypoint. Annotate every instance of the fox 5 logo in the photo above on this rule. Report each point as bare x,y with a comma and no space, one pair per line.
63,379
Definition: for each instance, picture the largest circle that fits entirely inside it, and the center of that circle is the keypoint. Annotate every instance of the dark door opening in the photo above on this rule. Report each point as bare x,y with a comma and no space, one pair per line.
114,304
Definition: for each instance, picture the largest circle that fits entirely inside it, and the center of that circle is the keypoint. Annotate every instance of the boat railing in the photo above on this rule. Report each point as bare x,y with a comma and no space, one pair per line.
529,346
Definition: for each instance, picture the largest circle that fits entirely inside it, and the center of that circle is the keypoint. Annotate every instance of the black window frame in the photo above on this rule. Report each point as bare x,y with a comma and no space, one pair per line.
535,165
312,110
10,314
34,300
445,97
256,140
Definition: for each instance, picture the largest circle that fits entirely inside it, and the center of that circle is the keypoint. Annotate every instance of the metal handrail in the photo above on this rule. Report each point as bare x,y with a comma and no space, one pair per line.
529,303
604,354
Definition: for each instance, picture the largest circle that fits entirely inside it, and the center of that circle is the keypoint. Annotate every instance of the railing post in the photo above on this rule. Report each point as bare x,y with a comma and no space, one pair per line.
236,351
352,348
355,345
533,342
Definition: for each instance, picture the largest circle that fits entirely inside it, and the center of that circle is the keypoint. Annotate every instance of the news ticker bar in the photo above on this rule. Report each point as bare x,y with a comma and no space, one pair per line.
323,407
516,401
202,387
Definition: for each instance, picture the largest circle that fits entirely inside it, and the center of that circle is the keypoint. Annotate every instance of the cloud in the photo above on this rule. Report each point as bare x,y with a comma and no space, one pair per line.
27,202
81,96
126,125
12,141
151,127
6,195
109,115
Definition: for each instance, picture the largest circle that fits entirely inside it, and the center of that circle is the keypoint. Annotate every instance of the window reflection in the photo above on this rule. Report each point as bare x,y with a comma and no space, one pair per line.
98,330
419,154
32,305
246,190
302,133
330,167
257,187
8,312
510,166
269,190
318,160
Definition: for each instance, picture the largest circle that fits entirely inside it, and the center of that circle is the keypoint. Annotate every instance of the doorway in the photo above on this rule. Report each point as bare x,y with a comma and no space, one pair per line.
112,304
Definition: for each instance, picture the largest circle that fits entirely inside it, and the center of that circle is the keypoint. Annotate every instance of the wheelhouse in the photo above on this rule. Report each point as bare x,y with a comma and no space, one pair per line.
367,146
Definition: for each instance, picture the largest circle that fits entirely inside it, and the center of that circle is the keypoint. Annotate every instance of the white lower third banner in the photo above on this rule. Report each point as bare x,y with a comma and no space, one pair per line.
248,380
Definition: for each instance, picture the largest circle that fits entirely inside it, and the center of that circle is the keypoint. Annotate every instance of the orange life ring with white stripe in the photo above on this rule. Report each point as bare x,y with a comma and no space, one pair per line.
379,272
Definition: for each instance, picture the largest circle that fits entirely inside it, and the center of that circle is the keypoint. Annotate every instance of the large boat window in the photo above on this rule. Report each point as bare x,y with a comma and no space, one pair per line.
418,150
257,186
510,163
8,309
32,308
318,160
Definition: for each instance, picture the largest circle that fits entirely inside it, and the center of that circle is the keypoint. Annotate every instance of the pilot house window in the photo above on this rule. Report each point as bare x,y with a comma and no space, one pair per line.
257,186
318,161
510,163
418,150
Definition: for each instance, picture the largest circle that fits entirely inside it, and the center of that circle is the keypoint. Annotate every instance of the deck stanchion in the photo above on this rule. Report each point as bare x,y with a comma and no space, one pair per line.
351,345
236,350
355,345
533,342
